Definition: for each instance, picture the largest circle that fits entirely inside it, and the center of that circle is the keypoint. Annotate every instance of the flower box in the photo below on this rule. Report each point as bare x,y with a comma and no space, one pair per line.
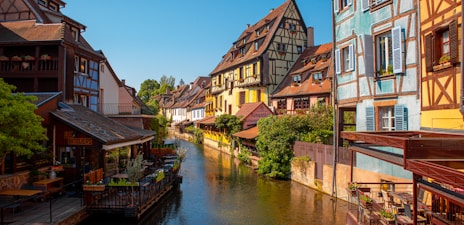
90,187
29,58
16,58
4,58
45,57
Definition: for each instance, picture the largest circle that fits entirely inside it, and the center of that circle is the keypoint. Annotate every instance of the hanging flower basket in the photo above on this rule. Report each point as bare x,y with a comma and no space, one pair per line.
4,58
45,57
29,58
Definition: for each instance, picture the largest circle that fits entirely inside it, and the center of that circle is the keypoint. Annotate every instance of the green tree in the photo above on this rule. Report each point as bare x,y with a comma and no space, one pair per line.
181,82
21,130
229,124
160,125
170,81
275,141
147,90
320,119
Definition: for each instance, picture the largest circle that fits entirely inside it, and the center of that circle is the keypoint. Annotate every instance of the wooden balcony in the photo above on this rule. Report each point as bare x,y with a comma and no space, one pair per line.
28,66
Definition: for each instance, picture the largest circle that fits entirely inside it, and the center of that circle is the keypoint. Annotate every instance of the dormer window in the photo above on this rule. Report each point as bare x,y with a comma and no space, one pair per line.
53,7
244,41
257,33
242,51
296,79
75,33
317,77
43,2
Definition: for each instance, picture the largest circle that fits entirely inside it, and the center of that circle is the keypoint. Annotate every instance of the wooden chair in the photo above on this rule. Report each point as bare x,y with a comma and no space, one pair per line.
408,213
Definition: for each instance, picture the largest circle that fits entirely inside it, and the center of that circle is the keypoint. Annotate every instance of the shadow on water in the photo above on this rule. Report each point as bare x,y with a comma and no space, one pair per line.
216,189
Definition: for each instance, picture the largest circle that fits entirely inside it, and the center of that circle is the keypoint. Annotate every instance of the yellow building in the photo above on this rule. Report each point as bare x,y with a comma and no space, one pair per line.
441,78
259,59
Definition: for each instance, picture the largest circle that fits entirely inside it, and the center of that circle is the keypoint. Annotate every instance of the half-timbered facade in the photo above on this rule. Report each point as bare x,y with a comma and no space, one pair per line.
441,78
376,63
258,60
43,50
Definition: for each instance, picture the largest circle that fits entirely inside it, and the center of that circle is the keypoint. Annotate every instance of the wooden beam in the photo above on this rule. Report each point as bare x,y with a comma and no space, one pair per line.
399,161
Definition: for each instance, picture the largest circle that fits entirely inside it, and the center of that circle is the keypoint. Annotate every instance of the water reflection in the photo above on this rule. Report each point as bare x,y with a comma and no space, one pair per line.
216,189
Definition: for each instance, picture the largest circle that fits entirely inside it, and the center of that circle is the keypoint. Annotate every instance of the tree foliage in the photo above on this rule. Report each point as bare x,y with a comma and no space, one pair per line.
169,81
147,89
277,135
21,130
159,124
230,124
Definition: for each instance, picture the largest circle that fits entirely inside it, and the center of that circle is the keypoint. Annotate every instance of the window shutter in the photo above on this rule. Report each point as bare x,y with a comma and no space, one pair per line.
370,119
336,6
397,50
428,53
337,61
365,5
368,55
237,99
453,36
351,55
247,96
401,118
254,96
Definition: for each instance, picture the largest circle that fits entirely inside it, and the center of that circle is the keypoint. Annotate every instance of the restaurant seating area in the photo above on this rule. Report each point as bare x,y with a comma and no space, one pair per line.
393,203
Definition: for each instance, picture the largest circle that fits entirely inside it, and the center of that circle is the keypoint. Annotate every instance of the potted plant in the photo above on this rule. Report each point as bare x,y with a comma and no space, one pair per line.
353,186
16,58
444,59
29,58
388,216
45,57
365,199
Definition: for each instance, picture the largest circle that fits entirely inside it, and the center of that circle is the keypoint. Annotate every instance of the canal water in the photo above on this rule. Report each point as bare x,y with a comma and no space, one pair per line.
217,189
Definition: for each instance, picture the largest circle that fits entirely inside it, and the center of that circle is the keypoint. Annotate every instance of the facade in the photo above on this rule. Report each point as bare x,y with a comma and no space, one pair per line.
307,83
376,71
442,104
258,60
43,50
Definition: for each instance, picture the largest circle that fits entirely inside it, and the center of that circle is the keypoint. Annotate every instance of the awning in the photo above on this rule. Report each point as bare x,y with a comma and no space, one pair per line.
248,134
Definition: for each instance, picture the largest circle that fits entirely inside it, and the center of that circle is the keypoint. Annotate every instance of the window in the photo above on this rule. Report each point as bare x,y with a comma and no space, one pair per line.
81,99
281,47
240,73
388,52
388,118
384,54
296,79
282,104
317,77
344,59
43,2
248,71
301,103
258,32
299,49
242,98
258,95
76,63
441,47
256,46
292,27
83,66
75,33
341,5
255,68
53,7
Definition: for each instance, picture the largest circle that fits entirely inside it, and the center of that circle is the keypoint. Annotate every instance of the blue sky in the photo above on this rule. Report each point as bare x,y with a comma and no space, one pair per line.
146,39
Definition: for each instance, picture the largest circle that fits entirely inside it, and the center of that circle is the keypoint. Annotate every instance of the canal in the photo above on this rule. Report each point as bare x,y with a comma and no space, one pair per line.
216,189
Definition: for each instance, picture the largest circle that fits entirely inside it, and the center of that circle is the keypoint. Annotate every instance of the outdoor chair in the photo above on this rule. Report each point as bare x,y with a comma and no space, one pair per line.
408,212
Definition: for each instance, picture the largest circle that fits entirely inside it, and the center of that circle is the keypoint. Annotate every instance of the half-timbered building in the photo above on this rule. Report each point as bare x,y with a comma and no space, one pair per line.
441,78
307,83
258,60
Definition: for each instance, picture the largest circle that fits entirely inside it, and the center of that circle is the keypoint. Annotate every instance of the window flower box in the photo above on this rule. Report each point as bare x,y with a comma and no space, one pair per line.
16,58
29,58
442,66
93,187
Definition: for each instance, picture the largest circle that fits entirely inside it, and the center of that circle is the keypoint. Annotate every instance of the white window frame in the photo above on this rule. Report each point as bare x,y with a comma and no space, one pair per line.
387,118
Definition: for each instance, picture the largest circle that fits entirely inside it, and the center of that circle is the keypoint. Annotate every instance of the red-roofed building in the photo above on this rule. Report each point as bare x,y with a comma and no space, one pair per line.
250,113
258,60
308,82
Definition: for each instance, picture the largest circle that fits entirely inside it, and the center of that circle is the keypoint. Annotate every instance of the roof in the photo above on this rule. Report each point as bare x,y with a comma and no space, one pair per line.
43,97
248,134
29,30
207,120
313,59
102,128
249,34
247,109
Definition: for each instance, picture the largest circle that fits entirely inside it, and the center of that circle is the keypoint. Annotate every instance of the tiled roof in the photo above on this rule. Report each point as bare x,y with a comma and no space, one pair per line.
322,56
248,108
29,30
248,134
102,128
43,97
249,34
207,120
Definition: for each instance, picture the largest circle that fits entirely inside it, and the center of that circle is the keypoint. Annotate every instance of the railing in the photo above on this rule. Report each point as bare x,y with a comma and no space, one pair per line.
120,109
29,66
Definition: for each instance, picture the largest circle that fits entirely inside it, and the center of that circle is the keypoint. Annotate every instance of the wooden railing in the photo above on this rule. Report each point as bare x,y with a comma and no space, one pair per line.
29,66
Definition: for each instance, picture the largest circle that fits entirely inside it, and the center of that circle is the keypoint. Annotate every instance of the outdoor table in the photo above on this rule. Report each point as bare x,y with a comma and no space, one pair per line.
20,192
51,185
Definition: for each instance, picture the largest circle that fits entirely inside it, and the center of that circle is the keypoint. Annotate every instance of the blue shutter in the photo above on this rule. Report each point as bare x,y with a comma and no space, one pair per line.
368,55
365,5
397,50
337,61
401,117
336,6
370,119
351,55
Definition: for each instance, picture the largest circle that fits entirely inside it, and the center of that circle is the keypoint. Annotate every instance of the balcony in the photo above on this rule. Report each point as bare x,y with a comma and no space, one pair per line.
30,64
120,109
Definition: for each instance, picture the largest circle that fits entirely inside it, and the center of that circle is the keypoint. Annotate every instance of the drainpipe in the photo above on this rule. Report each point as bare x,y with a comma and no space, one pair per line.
335,108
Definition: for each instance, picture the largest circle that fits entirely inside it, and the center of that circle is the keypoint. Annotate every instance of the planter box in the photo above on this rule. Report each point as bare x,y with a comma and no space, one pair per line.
93,187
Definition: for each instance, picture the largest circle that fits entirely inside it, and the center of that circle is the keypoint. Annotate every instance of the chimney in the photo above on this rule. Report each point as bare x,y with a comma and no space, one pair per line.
123,82
248,25
191,85
310,37
272,10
